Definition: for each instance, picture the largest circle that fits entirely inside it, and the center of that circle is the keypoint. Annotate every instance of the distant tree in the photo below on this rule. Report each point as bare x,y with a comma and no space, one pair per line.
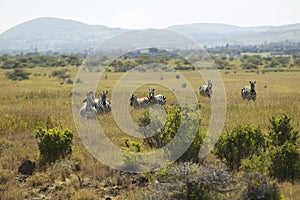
17,74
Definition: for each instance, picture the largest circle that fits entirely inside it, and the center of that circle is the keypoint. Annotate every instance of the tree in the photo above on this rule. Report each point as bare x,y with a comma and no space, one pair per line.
17,74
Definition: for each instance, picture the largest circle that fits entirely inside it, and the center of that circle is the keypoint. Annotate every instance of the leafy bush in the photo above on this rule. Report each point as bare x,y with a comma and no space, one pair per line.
281,131
165,133
17,74
54,144
285,162
285,157
256,163
238,144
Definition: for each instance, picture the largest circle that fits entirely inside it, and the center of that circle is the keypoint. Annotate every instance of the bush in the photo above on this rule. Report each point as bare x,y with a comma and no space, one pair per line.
166,132
256,164
281,131
17,74
188,180
54,144
238,144
285,157
285,162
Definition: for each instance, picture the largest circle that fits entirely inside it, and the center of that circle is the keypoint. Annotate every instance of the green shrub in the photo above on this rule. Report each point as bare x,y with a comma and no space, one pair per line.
285,162
17,75
238,144
285,157
281,131
256,164
54,144
166,133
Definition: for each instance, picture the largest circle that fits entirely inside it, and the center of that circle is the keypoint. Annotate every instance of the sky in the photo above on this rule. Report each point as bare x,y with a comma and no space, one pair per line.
139,14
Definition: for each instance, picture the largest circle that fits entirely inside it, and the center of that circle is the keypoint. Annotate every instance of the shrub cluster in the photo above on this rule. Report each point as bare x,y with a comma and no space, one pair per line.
276,153
54,143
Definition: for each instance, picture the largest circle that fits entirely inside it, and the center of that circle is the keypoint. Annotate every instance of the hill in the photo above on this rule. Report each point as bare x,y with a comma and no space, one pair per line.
53,34
222,34
67,36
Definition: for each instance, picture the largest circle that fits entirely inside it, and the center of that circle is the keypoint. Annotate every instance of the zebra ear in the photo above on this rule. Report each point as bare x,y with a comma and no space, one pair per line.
106,92
254,82
250,82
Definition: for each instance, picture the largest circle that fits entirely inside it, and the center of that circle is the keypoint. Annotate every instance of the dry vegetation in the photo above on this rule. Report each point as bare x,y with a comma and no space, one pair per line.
26,105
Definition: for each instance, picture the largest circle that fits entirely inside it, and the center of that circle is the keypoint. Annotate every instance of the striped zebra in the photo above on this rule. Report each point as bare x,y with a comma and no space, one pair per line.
88,109
103,104
206,90
248,92
138,103
156,99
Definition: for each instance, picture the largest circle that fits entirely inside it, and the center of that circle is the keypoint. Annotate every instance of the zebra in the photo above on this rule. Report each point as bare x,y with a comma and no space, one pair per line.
103,105
157,99
206,90
88,109
248,92
138,103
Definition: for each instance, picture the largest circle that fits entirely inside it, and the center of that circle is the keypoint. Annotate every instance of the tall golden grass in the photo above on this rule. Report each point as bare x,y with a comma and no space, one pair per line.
41,100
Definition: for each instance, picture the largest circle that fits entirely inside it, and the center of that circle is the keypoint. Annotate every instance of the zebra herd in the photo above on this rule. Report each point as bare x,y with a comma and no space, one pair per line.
92,106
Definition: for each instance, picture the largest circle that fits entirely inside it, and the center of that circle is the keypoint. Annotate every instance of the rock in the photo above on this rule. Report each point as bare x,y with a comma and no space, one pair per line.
27,167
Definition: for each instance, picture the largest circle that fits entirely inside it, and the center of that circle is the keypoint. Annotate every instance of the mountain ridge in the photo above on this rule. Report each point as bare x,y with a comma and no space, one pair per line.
66,35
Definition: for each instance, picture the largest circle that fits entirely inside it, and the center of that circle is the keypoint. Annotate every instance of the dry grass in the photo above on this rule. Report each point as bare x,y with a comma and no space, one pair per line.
32,103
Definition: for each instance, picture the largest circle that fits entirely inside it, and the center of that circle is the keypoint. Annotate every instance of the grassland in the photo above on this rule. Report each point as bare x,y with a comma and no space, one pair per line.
26,105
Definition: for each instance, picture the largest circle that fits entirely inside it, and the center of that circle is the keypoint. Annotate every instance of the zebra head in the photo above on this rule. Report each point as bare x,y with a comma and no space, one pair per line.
209,84
103,97
151,93
132,99
90,101
90,94
252,86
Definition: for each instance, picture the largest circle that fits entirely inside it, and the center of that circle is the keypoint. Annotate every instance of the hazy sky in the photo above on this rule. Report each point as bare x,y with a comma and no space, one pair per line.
153,13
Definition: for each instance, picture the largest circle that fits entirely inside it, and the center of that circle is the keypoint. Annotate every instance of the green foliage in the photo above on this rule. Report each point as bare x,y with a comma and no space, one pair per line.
221,63
285,162
238,144
260,187
61,74
251,61
285,158
165,133
36,60
256,163
132,145
297,61
54,144
281,131
17,75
